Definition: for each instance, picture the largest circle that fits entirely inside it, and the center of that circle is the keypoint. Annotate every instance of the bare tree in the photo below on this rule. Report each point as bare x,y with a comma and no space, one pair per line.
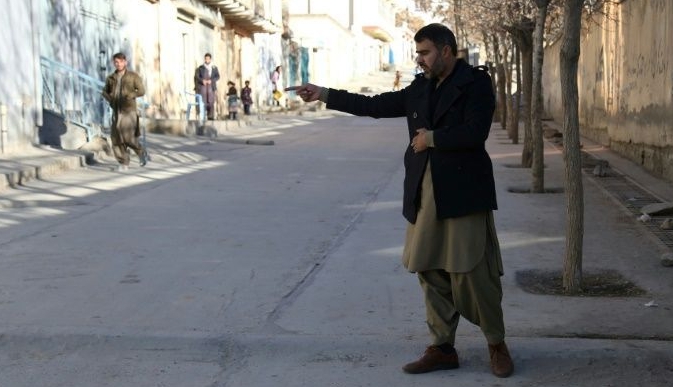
511,70
537,170
522,33
569,57
461,32
501,80
513,124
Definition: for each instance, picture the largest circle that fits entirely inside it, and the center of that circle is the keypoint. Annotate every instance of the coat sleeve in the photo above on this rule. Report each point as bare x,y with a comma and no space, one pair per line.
384,105
107,90
138,85
472,131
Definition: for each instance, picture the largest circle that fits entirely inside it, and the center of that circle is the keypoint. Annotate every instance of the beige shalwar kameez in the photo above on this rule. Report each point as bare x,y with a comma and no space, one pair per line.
459,266
121,90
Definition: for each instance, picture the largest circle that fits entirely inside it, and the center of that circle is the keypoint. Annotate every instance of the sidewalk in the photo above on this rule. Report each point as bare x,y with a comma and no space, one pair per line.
42,161
38,162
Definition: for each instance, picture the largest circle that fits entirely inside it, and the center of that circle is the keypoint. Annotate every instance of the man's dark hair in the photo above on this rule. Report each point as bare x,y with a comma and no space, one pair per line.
119,55
438,34
208,55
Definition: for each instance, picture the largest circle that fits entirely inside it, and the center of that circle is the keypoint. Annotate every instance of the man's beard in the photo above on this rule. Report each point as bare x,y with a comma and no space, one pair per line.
436,69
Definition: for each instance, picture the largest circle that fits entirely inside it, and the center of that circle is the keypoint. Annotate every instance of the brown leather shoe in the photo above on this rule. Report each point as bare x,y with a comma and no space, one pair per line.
433,359
501,362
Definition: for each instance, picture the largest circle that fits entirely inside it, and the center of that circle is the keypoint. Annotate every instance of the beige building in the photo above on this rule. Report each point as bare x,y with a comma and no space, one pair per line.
62,49
168,40
342,39
61,52
625,82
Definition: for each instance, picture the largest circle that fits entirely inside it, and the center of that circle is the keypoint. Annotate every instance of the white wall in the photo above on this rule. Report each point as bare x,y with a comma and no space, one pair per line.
336,9
19,64
332,54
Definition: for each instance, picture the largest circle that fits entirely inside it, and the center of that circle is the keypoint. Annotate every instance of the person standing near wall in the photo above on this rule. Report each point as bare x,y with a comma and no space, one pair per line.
232,100
276,82
121,89
207,76
246,98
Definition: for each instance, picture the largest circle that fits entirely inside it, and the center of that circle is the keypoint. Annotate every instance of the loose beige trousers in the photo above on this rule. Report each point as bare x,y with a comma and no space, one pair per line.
475,295
124,134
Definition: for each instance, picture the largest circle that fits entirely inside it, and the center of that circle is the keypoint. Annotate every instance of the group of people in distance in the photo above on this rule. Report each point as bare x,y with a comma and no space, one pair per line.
206,78
123,86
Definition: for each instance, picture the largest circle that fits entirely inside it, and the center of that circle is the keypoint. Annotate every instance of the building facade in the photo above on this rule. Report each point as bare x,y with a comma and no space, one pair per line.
58,52
625,79
58,48
338,40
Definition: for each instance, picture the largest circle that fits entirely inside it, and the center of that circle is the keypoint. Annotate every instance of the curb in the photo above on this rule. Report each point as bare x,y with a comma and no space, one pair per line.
242,141
41,167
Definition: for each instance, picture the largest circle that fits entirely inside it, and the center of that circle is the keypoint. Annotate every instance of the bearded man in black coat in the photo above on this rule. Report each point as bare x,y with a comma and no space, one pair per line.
449,194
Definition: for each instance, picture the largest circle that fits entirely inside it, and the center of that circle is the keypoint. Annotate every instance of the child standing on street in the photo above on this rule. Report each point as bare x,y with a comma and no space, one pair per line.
232,100
246,98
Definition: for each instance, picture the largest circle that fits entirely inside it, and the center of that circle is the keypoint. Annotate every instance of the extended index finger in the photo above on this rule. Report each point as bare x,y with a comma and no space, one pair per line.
293,88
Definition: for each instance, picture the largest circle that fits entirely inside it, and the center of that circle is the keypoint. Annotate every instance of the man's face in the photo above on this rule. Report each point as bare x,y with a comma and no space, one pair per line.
120,64
433,62
206,59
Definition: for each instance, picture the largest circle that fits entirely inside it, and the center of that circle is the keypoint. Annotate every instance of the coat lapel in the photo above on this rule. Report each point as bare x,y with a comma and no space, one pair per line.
453,90
445,101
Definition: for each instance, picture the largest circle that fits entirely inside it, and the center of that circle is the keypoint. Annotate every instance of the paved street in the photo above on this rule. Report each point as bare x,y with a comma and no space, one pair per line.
226,264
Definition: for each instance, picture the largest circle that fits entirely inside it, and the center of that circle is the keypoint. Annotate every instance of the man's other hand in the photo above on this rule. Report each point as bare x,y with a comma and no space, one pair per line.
420,142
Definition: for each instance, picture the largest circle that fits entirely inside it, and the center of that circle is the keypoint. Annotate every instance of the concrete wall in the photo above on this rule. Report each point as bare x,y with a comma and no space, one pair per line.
625,82
268,56
163,40
339,49
20,96
331,52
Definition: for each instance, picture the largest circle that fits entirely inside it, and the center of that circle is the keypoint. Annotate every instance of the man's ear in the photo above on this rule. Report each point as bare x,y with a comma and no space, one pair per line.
446,52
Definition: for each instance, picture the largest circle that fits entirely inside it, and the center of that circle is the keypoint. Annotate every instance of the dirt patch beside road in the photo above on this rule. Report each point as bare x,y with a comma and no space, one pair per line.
604,283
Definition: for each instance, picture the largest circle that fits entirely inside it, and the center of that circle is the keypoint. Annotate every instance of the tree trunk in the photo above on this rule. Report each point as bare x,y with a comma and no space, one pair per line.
537,169
569,56
492,70
508,91
502,82
514,122
461,35
527,78
513,118
523,36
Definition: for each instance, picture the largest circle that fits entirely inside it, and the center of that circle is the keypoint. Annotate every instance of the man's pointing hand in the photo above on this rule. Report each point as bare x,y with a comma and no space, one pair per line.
307,92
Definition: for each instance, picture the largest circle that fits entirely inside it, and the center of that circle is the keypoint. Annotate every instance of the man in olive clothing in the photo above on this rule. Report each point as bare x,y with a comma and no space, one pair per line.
449,194
121,90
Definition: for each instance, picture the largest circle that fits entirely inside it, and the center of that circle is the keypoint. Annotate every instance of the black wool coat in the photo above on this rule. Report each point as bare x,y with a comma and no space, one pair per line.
462,172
